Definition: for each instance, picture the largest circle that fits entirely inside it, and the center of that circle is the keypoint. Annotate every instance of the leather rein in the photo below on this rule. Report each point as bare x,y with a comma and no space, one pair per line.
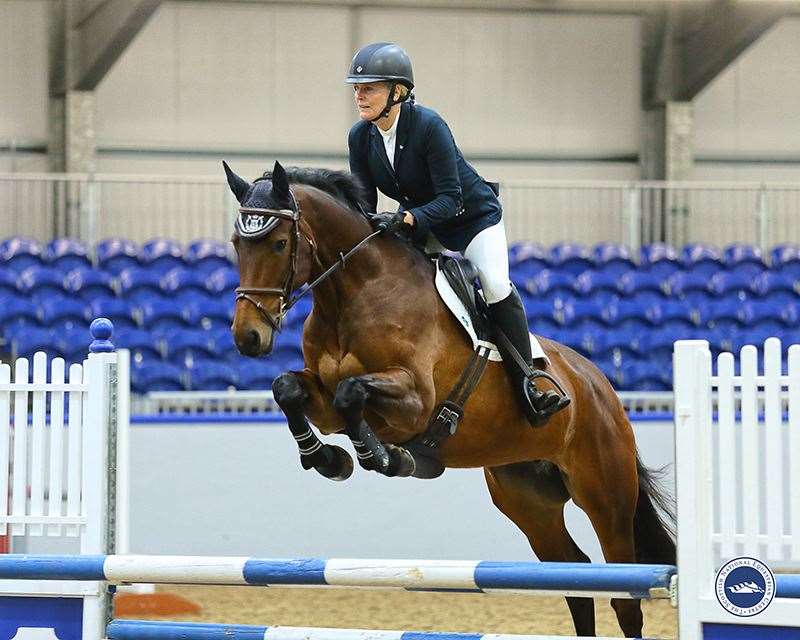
285,292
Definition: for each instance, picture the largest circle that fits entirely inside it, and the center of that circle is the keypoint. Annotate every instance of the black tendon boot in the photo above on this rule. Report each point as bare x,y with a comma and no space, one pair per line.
509,316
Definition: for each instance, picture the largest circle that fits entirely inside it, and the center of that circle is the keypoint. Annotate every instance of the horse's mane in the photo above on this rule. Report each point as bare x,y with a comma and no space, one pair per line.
342,185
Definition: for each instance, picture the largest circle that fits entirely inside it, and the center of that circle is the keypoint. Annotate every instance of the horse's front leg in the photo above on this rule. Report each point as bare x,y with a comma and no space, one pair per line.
295,392
393,396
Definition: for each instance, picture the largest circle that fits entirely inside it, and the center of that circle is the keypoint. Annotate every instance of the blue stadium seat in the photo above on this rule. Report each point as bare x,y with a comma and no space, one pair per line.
654,343
288,345
636,282
610,370
89,283
17,311
209,313
526,260
590,282
571,258
184,346
20,253
117,254
661,259
156,376
576,311
743,257
143,345
223,345
771,282
161,316
756,312
784,254
25,343
208,255
537,309
297,315
702,258
256,375
549,282
121,312
74,343
182,281
223,282
682,283
617,345
545,327
520,252
67,254
139,284
644,375
63,313
8,283
726,311
161,255
635,312
672,311
573,338
612,257
42,282
210,375
680,330
731,282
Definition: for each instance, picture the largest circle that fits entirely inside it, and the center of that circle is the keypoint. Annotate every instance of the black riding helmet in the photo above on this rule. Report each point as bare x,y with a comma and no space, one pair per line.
383,62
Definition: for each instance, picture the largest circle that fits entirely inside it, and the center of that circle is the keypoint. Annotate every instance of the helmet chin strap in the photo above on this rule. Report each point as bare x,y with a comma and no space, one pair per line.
390,102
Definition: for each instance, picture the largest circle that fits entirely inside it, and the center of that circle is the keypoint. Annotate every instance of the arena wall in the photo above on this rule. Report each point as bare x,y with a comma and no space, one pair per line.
530,95
238,489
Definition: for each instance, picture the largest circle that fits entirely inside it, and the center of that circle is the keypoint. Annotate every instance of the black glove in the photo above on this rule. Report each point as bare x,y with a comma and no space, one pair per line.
387,221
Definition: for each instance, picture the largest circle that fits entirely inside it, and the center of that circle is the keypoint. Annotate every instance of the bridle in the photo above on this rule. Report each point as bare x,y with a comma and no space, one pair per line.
258,224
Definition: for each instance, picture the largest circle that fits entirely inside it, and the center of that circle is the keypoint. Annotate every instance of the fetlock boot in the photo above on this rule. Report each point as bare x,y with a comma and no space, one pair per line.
509,316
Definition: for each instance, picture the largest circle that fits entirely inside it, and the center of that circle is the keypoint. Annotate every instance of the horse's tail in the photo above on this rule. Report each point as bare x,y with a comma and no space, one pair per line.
654,521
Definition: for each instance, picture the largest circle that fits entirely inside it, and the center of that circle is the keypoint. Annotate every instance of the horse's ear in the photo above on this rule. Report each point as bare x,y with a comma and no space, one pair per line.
280,181
238,185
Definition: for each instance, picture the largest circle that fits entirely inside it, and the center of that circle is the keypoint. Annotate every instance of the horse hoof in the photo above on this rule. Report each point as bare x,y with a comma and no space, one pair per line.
341,465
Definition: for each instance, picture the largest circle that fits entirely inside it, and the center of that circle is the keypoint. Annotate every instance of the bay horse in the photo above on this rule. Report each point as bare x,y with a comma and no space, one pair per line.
381,351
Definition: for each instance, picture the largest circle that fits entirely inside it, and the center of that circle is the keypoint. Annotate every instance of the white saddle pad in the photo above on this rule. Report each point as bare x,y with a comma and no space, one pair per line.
458,309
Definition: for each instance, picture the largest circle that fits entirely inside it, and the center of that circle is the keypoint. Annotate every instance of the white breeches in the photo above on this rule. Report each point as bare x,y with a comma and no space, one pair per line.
488,251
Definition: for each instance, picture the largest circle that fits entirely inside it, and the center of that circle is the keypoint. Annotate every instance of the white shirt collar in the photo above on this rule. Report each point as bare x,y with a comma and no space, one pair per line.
392,130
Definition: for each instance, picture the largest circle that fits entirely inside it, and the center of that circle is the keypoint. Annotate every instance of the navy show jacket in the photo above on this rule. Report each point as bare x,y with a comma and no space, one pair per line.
430,178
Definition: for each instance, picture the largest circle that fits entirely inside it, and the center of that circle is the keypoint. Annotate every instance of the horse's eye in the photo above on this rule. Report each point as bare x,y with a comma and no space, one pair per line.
279,246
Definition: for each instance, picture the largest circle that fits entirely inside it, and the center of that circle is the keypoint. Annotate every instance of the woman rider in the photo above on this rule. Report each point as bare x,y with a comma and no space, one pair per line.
408,152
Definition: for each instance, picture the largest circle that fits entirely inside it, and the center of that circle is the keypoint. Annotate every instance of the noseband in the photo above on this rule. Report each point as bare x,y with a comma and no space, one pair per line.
260,222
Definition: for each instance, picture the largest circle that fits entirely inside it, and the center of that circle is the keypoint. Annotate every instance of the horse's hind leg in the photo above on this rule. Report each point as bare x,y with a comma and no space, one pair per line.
607,491
295,392
532,495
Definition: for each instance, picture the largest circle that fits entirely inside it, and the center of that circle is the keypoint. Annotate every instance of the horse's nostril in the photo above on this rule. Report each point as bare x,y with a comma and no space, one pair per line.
253,339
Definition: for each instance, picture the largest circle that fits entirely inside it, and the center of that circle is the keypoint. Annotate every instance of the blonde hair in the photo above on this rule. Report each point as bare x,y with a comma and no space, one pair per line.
401,89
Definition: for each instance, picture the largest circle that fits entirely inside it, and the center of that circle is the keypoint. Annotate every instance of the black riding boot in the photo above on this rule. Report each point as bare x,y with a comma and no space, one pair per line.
509,316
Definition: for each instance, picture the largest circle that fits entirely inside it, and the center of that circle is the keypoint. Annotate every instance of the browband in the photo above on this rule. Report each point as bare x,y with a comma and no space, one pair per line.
255,222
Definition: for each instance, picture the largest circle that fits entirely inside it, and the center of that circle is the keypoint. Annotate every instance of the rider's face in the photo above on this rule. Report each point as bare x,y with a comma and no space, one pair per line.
370,99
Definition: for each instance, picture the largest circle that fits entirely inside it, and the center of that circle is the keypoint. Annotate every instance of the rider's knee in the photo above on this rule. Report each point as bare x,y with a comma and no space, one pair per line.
495,288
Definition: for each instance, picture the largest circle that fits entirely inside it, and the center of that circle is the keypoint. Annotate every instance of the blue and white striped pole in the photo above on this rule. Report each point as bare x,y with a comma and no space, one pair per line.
147,630
531,578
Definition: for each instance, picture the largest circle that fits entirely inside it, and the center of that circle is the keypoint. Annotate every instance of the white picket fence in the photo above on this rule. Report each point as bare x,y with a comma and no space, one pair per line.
737,438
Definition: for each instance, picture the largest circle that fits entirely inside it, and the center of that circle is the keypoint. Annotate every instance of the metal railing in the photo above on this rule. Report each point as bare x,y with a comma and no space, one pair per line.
91,207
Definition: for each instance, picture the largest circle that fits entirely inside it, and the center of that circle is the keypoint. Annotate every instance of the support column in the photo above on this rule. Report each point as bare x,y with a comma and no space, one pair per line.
667,142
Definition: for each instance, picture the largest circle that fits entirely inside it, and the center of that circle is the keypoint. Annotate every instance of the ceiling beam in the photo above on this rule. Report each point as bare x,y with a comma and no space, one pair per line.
712,37
101,34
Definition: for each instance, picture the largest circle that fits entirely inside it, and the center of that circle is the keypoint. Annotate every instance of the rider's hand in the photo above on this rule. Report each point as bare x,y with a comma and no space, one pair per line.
388,221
